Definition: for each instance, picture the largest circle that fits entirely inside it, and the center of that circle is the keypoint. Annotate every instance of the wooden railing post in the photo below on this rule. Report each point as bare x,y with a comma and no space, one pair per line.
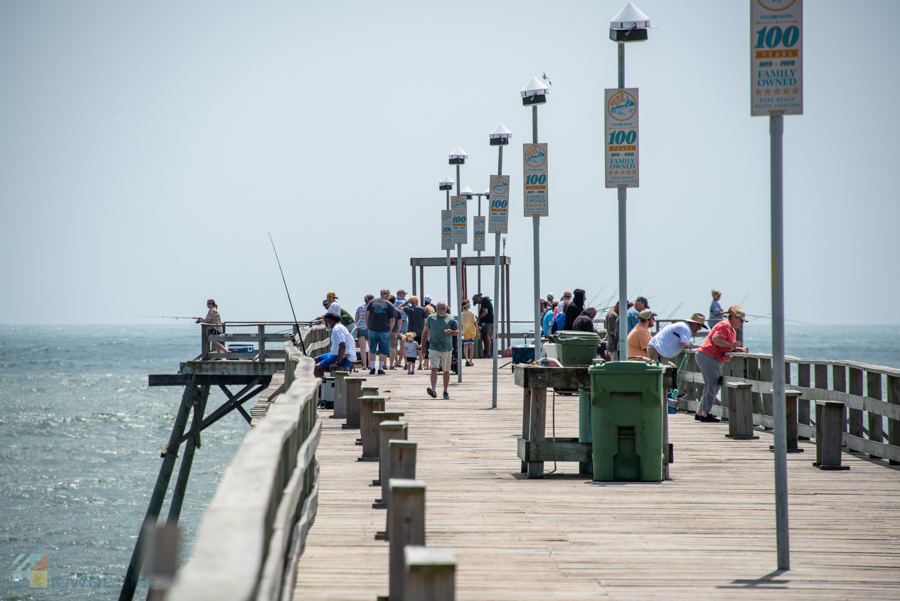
407,527
876,421
430,574
765,375
855,422
204,342
740,422
803,380
402,465
369,426
839,383
340,394
893,397
261,335
790,404
352,392
753,374
390,430
829,435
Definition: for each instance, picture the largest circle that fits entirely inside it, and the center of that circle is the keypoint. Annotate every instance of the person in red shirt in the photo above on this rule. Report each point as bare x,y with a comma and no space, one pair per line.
711,359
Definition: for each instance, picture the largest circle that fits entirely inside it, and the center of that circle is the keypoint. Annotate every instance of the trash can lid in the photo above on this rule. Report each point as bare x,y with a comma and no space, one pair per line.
567,335
622,366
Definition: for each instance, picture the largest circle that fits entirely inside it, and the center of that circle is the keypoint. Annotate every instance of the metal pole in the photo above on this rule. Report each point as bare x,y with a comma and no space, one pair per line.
623,257
496,296
776,131
448,251
479,252
535,299
459,345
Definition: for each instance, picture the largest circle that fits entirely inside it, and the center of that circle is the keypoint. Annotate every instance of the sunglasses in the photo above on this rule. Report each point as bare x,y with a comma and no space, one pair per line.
442,308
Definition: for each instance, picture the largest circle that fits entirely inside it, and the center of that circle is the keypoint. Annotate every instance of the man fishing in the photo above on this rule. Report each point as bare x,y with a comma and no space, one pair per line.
343,347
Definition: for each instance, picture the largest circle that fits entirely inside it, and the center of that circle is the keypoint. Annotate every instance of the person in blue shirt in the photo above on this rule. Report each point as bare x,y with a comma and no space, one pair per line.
716,312
640,303
548,319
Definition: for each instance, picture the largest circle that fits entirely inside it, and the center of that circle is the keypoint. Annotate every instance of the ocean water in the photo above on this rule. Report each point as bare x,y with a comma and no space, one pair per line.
80,437
81,432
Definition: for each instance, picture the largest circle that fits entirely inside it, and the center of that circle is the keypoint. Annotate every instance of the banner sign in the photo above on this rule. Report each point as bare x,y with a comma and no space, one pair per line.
621,139
478,234
535,173
776,57
459,234
498,221
446,222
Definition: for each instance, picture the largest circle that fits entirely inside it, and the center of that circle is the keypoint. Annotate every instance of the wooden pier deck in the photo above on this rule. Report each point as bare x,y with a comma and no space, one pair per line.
708,533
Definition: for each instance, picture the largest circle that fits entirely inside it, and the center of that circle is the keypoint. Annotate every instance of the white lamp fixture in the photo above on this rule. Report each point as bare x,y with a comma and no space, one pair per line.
534,92
629,25
458,156
487,193
500,136
446,183
467,193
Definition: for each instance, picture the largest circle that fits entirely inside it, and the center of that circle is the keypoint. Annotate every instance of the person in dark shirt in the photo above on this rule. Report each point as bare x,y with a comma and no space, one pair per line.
416,316
485,322
585,323
575,308
380,319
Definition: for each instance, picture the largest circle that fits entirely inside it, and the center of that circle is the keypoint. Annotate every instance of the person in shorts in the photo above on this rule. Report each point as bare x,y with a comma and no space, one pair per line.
440,329
412,350
470,332
485,323
380,319
343,347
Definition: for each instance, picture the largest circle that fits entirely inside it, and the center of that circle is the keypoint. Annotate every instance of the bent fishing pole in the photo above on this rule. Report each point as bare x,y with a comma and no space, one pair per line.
296,323
164,317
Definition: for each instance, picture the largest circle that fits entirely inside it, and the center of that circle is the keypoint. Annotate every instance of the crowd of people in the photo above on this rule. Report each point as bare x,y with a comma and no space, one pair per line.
395,332
642,345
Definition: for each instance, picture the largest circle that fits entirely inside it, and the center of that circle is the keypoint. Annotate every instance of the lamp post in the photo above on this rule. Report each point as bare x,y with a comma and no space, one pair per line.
499,137
534,94
629,25
468,194
458,157
486,194
447,184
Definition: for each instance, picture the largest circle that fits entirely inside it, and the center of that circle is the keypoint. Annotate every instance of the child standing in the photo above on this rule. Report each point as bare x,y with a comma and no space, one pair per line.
412,351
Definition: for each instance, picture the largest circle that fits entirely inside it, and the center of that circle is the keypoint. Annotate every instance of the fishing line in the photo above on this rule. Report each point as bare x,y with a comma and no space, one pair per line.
299,333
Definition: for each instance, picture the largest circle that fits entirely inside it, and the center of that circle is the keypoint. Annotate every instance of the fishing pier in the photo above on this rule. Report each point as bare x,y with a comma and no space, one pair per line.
299,512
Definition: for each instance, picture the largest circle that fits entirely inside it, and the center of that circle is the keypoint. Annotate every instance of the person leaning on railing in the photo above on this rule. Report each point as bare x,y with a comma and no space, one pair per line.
711,359
214,320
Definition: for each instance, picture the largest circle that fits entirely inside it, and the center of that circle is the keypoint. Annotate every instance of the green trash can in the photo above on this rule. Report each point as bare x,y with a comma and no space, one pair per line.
627,407
575,348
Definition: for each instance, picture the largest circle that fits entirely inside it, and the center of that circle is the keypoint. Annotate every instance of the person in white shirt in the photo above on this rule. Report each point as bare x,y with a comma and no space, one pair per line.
343,347
674,338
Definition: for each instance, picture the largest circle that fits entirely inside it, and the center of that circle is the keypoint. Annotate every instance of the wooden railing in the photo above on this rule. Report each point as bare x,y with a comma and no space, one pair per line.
254,528
315,337
870,394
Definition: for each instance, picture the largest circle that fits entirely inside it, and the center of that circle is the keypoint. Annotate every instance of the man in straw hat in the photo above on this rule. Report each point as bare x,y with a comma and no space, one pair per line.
674,338
711,359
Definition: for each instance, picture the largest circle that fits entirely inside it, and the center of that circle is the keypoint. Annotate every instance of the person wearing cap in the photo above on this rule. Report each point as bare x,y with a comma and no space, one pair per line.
548,318
485,322
640,303
380,319
674,338
343,347
333,306
711,359
566,299
716,312
640,336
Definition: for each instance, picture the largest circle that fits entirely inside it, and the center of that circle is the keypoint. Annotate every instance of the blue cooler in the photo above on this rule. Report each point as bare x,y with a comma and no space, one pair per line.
241,348
523,353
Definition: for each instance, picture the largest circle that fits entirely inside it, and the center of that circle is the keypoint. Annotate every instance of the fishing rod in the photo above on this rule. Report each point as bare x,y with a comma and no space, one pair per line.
299,335
596,295
165,317
806,323
674,311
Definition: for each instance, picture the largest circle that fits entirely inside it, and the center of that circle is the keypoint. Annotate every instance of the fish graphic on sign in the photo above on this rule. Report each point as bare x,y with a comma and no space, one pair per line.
621,106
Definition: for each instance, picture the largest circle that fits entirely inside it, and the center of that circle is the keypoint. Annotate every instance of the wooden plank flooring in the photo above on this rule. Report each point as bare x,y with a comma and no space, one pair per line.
709,533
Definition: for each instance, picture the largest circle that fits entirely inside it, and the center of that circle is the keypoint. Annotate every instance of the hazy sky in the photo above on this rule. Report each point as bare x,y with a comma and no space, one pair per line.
146,149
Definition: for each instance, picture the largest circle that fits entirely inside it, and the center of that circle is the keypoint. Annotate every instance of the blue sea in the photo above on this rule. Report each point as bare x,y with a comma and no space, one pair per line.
80,438
81,433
